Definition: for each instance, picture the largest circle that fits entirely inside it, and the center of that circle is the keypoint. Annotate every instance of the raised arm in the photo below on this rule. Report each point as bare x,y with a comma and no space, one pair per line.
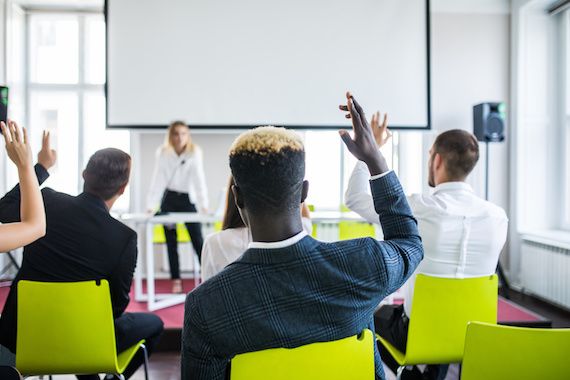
357,196
32,224
397,257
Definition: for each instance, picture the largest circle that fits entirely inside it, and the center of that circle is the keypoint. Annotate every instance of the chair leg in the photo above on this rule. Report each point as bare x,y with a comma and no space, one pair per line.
399,372
145,361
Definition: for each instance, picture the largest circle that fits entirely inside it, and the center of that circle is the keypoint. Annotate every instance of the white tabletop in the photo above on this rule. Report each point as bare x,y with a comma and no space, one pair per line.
194,217
172,217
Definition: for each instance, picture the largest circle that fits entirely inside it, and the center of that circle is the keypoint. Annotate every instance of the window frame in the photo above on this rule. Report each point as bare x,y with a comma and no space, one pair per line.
564,115
81,88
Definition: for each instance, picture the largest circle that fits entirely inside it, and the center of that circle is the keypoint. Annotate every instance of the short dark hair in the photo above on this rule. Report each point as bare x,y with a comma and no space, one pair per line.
459,150
107,171
268,166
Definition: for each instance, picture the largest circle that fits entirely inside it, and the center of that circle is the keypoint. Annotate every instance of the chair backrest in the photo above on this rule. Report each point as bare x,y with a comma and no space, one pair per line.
441,309
348,358
65,328
494,352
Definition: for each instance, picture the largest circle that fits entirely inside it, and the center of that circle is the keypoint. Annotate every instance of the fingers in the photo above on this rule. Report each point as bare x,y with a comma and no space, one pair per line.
16,134
45,140
359,110
385,121
5,132
345,136
374,120
25,134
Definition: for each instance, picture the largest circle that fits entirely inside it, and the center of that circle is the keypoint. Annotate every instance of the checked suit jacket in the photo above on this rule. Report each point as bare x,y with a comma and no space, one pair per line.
308,292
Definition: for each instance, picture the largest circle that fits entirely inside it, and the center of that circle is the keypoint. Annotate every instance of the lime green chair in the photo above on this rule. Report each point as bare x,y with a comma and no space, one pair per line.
348,358
68,328
441,309
181,233
494,352
354,230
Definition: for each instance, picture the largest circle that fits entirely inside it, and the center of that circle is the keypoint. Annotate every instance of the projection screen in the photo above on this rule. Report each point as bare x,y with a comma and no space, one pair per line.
242,63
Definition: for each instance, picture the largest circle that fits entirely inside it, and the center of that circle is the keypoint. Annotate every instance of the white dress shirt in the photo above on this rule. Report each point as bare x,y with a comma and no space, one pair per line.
225,247
462,234
181,173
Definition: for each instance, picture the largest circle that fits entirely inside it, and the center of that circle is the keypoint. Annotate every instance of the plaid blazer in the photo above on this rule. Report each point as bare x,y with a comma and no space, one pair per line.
305,293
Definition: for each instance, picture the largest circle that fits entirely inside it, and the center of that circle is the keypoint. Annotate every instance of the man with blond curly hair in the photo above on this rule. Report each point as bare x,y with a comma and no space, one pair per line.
288,289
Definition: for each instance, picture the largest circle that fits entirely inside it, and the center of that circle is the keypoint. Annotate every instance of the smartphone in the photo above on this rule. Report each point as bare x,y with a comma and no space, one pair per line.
3,103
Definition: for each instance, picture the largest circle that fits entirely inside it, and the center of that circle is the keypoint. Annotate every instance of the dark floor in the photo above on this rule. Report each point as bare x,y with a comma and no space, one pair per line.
560,318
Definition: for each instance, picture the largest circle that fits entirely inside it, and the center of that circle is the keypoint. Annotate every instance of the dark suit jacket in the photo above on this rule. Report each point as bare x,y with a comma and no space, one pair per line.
308,292
82,242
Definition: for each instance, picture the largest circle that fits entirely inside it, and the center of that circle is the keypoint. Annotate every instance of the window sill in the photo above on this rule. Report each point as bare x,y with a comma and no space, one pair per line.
555,238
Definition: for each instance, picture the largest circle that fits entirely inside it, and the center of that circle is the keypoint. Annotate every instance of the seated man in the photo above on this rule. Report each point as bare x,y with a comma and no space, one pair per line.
83,242
462,234
288,289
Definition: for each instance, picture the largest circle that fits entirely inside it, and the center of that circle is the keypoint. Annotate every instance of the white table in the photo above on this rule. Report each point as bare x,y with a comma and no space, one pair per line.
147,222
138,221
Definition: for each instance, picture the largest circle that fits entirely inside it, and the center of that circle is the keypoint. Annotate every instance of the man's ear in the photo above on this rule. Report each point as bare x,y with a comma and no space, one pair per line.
237,196
122,189
305,191
437,161
83,175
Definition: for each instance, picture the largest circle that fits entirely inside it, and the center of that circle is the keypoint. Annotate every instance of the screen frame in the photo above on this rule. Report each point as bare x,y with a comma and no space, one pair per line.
229,127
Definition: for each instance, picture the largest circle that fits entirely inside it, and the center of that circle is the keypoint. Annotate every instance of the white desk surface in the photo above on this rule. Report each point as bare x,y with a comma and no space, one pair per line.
178,217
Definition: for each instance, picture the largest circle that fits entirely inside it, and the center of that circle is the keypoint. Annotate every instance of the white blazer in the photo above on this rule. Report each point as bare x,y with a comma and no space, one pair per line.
183,174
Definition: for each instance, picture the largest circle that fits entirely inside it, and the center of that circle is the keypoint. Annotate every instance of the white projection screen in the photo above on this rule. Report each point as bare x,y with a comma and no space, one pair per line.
243,63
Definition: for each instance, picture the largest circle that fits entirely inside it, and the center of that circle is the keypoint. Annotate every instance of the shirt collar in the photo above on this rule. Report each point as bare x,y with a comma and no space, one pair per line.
278,244
453,186
94,200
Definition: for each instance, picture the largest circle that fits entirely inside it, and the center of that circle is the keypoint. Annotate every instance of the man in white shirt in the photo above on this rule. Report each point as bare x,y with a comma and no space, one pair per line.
462,234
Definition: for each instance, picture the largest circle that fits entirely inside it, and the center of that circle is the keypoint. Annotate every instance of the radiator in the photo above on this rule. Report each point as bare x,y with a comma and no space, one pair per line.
545,272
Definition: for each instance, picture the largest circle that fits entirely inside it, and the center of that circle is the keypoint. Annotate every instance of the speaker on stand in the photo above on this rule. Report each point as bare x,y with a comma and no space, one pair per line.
488,127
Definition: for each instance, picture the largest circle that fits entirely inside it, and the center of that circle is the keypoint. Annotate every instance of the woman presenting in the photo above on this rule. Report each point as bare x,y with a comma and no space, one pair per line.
179,185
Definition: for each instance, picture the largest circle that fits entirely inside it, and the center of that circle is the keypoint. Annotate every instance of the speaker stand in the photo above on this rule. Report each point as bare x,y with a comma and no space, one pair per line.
504,282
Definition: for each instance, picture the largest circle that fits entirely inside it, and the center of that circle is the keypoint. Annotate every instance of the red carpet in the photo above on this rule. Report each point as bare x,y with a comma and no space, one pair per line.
508,312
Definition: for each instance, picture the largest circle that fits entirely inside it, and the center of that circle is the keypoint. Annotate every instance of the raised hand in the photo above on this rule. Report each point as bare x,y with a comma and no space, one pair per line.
46,156
363,144
381,132
17,144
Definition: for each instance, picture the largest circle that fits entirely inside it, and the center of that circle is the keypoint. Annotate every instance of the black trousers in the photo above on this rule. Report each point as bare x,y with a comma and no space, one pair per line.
391,323
130,328
180,202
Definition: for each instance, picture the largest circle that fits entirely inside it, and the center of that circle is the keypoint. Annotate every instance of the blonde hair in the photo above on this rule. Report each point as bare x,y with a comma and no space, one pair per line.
190,146
266,140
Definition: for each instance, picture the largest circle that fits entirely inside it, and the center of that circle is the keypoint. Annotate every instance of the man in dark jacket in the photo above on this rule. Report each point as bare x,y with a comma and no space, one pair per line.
83,242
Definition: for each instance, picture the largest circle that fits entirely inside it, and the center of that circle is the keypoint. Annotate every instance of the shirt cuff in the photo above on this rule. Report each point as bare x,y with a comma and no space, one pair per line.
372,178
41,173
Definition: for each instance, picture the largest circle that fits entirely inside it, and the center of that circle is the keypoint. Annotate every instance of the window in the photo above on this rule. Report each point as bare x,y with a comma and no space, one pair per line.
66,94
329,166
565,62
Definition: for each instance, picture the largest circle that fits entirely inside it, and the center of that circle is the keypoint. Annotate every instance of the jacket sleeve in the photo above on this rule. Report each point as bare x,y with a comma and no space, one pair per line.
10,203
199,361
358,197
122,277
401,251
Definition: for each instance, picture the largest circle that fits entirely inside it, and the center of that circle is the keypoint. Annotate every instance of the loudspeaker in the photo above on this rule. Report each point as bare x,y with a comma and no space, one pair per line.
489,122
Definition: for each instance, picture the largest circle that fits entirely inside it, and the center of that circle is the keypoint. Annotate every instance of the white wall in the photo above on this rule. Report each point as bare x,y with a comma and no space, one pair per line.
215,146
470,65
